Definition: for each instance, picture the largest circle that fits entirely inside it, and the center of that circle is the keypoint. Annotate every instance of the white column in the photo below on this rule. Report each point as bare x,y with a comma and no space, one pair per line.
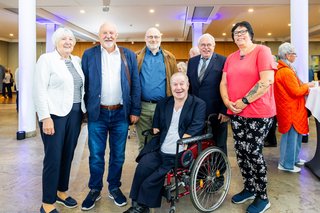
197,28
300,36
50,30
27,61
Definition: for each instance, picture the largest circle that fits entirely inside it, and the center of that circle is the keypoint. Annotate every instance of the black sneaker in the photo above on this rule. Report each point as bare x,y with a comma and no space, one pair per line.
118,197
93,196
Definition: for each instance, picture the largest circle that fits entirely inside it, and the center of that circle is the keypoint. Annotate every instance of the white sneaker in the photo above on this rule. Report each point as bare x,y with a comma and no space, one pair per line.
295,169
301,162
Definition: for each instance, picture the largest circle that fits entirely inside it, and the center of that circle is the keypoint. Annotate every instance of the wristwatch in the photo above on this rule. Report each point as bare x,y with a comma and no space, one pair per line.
245,100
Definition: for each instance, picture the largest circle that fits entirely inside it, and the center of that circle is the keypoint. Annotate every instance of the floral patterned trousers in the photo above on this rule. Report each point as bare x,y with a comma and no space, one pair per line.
249,135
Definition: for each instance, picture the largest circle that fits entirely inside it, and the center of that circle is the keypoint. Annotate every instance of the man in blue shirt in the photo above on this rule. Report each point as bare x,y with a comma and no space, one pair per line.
155,66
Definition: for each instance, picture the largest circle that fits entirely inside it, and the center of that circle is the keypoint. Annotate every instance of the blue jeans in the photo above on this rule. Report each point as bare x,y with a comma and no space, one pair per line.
116,124
290,146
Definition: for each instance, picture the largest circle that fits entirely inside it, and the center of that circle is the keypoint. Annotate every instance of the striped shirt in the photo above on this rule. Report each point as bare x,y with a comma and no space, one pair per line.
77,81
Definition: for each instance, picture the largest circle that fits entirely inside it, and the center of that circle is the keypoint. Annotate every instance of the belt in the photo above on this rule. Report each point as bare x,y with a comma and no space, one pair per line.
151,102
111,107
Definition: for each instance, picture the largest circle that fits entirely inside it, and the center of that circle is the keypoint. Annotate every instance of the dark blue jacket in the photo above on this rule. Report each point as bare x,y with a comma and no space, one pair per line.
209,89
191,121
91,66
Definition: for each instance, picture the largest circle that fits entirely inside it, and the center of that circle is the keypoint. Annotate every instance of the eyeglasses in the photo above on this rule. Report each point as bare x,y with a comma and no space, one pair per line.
240,32
153,37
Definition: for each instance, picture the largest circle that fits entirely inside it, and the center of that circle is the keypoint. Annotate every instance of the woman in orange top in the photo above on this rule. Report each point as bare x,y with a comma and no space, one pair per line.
292,116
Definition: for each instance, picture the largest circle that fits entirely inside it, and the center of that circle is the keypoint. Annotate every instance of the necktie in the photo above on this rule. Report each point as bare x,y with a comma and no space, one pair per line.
202,70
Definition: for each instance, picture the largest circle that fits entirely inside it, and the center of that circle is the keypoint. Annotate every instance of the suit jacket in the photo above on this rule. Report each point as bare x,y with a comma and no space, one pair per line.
53,87
192,120
91,66
209,89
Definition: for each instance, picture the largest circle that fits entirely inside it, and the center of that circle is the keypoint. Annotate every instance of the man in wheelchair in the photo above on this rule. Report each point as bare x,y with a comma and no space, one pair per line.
179,116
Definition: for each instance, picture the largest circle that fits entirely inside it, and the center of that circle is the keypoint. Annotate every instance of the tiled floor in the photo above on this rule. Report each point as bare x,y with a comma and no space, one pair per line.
21,166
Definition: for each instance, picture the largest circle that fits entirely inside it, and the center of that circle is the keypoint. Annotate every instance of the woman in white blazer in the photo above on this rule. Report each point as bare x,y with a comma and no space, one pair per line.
58,97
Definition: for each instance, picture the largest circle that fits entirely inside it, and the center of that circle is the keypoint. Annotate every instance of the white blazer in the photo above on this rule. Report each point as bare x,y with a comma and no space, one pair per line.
53,85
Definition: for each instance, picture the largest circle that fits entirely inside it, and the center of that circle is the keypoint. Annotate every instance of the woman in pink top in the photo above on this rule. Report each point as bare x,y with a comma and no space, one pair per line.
247,91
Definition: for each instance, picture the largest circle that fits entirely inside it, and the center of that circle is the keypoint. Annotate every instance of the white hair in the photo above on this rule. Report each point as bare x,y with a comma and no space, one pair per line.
60,33
206,35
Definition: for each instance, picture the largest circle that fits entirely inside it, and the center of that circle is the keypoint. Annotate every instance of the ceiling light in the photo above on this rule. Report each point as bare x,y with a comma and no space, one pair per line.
289,25
269,34
82,11
224,34
105,5
151,11
233,25
11,34
250,10
157,25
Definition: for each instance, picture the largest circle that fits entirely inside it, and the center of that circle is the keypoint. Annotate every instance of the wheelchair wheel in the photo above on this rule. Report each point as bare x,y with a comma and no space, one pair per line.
210,180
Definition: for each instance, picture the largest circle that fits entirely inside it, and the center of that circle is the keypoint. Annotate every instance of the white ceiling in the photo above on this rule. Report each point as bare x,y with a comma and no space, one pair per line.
173,16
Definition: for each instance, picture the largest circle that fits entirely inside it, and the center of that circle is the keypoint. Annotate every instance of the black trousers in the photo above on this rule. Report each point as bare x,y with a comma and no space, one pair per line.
149,178
8,88
58,153
271,137
220,133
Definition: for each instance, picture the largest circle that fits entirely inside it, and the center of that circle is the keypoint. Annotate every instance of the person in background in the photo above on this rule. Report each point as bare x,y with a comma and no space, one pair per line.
194,51
305,137
182,67
247,91
2,73
156,66
113,101
178,116
271,139
17,88
292,114
58,97
205,72
7,84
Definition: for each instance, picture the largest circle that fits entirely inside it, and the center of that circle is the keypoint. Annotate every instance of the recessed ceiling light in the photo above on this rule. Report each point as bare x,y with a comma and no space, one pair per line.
11,34
157,25
82,11
289,25
151,11
250,10
224,34
233,25
269,34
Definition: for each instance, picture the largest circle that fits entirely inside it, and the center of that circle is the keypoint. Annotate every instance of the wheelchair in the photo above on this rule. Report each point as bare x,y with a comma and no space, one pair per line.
203,172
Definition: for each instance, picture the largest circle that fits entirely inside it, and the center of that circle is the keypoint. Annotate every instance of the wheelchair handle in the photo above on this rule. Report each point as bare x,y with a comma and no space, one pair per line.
193,139
148,132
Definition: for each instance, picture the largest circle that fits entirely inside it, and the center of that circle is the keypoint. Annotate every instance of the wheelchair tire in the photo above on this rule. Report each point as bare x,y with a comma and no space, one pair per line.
210,180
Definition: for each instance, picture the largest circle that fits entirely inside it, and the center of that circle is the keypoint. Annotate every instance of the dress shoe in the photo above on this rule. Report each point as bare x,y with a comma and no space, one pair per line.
69,202
267,144
43,211
138,209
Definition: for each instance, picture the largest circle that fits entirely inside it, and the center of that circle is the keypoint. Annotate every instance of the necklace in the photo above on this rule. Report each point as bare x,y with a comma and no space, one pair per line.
245,51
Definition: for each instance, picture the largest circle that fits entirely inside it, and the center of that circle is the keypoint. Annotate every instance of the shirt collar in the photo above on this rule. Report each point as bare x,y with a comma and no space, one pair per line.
116,50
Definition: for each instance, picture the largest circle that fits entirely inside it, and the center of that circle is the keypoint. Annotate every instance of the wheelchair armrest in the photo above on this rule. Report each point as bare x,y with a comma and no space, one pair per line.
148,132
194,139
